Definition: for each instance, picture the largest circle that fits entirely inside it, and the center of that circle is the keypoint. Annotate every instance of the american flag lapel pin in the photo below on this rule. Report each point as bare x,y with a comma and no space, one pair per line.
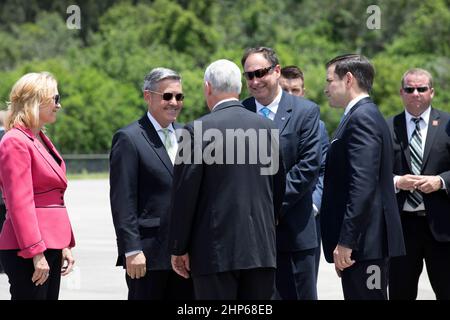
435,123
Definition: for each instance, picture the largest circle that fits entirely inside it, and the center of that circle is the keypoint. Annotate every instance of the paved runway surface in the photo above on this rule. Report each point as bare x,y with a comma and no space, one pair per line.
96,277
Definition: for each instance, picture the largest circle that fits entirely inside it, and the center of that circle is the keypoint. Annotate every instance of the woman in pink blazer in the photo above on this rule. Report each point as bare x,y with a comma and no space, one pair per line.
36,237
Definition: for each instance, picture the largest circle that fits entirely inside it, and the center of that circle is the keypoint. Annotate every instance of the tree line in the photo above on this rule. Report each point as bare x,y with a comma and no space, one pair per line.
100,67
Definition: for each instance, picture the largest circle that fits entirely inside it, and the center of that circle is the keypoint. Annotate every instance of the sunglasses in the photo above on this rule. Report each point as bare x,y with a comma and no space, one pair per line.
57,99
410,90
249,75
167,96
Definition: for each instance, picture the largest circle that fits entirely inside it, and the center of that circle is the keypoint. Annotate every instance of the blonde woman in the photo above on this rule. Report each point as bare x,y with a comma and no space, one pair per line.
36,237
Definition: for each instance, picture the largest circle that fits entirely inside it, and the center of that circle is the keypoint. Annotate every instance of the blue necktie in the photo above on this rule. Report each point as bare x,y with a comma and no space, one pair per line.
265,112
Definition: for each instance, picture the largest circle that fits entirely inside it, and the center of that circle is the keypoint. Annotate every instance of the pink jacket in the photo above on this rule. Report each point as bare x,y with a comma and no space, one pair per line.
33,186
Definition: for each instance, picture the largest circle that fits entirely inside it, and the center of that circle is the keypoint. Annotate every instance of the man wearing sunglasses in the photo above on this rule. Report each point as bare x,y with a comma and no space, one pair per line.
422,181
298,121
141,165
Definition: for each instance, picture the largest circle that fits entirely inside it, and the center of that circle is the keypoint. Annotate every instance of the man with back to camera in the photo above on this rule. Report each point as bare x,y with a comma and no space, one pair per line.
298,121
422,181
361,227
222,230
141,170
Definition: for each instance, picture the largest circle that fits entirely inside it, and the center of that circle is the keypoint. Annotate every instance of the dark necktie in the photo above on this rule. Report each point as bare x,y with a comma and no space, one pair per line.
415,147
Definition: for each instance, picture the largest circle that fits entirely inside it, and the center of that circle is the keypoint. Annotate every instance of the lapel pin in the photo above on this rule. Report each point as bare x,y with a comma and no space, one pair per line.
435,123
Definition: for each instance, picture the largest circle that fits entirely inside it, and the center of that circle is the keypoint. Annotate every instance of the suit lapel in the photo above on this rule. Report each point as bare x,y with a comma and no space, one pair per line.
59,169
153,139
401,133
433,126
346,118
284,111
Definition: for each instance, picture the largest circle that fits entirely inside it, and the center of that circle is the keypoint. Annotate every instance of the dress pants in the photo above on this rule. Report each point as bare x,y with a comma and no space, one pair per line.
366,280
420,245
20,272
160,285
247,284
296,275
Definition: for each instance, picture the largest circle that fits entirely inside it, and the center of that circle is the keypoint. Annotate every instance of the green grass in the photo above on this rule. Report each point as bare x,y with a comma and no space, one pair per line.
87,175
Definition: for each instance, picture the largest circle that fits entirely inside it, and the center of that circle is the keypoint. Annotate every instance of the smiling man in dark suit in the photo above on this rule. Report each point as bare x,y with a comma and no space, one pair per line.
422,179
141,165
298,121
360,223
225,205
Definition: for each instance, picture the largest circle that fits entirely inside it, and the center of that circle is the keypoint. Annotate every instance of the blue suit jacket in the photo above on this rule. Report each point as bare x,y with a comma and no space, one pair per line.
325,143
359,207
298,121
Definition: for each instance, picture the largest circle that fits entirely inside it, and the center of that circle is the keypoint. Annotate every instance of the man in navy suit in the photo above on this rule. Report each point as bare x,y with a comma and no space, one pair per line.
422,179
141,165
298,121
292,81
360,224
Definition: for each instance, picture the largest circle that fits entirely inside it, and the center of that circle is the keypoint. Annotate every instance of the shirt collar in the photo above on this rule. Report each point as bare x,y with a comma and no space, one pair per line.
156,124
273,106
352,103
222,101
425,116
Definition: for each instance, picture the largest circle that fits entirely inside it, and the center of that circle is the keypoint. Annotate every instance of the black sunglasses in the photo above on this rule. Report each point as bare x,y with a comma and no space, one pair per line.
249,75
167,96
410,90
57,99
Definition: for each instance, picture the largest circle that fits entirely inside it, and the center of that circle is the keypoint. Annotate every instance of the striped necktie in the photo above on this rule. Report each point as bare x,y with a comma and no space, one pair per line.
415,147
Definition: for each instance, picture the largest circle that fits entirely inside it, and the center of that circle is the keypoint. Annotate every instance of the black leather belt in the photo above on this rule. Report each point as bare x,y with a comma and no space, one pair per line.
419,213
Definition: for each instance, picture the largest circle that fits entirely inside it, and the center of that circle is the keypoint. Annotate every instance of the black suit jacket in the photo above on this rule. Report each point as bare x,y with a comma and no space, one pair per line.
223,215
436,161
359,208
298,121
141,182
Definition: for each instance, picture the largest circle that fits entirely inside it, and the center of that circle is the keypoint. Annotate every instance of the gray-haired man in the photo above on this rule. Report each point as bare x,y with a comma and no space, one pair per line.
141,164
222,226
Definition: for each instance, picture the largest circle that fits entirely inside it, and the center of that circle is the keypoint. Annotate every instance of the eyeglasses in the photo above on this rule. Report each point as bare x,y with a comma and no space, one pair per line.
167,96
249,75
57,99
410,90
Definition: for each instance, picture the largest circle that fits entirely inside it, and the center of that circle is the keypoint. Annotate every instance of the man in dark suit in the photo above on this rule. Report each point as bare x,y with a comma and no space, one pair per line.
225,199
360,224
141,165
298,121
292,80
2,203
422,180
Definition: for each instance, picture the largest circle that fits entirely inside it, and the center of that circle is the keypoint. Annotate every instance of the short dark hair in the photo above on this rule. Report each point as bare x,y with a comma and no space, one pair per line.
268,53
358,65
292,72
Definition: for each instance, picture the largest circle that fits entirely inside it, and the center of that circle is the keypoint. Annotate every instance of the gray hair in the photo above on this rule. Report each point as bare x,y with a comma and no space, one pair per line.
224,76
156,75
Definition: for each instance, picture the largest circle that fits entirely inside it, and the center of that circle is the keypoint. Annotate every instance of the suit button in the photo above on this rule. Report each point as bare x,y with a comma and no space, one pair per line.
62,198
62,203
62,192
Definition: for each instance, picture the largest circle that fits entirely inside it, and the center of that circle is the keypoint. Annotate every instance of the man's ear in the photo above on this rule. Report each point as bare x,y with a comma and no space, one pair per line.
349,78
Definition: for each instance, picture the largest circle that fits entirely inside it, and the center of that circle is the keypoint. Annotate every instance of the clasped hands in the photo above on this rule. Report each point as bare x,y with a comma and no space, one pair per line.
425,184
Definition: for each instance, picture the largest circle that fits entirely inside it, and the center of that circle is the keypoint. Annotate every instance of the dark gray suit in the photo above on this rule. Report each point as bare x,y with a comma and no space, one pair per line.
223,215
141,182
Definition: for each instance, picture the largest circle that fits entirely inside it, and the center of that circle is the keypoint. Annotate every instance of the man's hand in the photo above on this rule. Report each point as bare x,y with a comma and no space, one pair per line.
407,182
428,184
342,258
136,265
180,264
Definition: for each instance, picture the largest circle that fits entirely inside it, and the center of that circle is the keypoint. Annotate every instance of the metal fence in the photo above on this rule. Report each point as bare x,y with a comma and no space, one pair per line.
86,163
